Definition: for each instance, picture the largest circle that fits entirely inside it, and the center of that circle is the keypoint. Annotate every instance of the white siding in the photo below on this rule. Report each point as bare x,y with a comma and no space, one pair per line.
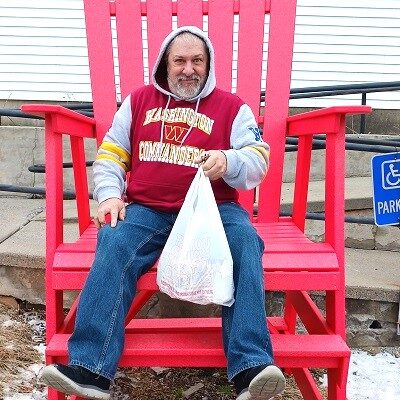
347,41
43,52
43,49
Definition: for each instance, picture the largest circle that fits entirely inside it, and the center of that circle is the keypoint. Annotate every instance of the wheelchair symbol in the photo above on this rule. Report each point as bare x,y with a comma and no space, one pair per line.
391,174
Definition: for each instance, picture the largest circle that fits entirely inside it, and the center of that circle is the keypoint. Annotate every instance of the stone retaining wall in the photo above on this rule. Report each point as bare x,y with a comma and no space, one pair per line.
361,236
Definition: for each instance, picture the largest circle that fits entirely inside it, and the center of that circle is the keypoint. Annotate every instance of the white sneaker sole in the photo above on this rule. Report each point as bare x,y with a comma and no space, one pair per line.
268,383
52,377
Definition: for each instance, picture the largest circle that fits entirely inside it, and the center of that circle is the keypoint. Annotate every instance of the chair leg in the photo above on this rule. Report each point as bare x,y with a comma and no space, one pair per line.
54,312
336,311
306,384
53,394
290,315
54,319
337,380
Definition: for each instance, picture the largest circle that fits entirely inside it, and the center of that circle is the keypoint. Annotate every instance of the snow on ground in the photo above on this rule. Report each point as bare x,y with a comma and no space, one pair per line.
373,377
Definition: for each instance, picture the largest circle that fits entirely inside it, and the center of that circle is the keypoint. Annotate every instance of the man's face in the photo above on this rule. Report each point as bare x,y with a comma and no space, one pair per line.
187,66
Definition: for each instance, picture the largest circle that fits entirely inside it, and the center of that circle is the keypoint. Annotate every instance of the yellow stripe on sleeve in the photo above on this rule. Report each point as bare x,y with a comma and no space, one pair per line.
260,151
113,148
113,159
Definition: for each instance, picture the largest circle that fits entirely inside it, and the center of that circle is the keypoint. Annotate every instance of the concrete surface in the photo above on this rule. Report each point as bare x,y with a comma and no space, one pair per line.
358,194
23,146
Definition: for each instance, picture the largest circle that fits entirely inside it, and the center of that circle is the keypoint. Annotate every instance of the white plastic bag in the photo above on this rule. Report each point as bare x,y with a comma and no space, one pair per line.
196,263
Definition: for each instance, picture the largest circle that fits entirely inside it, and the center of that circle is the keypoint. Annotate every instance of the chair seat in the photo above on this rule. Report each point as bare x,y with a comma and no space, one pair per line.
288,260
197,342
287,248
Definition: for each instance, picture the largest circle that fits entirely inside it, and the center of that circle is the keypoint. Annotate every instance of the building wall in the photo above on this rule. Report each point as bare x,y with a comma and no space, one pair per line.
43,50
344,42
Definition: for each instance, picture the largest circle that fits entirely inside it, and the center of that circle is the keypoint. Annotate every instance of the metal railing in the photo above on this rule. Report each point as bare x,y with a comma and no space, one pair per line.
295,93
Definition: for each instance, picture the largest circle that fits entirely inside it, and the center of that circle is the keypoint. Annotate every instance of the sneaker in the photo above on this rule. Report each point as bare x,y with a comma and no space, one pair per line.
263,383
72,379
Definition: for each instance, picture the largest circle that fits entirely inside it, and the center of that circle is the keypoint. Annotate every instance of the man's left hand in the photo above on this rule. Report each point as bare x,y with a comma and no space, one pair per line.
214,164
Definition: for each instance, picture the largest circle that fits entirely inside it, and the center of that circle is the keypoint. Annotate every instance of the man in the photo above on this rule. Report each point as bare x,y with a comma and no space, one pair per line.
162,133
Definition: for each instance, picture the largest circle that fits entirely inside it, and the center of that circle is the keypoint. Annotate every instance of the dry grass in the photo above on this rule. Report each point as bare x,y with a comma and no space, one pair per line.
17,352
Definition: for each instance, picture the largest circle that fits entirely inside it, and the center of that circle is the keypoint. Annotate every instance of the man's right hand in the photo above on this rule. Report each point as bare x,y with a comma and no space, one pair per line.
115,207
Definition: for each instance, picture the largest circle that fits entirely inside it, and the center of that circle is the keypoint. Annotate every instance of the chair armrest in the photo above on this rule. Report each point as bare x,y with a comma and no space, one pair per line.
330,121
325,120
63,120
58,121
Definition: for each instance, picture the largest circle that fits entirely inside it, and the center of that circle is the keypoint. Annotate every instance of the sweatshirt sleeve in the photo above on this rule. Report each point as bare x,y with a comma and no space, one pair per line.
114,156
248,158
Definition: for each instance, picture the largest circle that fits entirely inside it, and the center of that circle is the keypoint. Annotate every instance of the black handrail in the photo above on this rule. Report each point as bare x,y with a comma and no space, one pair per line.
357,144
295,93
68,194
41,168
354,88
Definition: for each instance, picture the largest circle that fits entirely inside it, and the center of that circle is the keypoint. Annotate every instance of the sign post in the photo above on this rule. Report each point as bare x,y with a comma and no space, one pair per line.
386,188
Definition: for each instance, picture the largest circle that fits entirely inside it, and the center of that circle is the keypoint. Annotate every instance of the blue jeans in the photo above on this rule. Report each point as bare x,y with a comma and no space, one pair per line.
127,251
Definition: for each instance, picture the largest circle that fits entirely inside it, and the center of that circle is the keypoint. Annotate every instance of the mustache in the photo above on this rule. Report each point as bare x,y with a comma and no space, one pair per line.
182,78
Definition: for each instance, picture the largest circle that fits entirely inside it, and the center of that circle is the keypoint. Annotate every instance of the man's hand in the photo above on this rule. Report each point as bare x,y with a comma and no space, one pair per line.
214,164
115,207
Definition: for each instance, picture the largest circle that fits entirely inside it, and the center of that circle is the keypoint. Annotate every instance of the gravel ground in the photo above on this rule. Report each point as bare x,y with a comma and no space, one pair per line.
172,384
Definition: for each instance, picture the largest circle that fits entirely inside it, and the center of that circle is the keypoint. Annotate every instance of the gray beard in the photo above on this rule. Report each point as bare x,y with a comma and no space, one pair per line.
183,92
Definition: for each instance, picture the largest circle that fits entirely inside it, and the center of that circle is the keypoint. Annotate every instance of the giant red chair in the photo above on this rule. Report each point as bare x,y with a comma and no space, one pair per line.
293,264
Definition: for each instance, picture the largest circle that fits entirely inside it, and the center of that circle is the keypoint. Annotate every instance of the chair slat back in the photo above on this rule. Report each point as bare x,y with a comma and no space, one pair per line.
220,31
279,67
141,28
190,13
101,64
159,25
130,53
249,64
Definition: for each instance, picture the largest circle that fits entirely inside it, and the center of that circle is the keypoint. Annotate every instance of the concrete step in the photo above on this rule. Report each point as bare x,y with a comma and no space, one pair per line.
358,194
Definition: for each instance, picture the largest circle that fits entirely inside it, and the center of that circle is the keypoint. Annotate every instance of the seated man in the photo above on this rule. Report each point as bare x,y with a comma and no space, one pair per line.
161,133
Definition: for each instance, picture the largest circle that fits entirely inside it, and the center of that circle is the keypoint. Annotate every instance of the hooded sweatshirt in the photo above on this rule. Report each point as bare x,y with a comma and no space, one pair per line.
156,136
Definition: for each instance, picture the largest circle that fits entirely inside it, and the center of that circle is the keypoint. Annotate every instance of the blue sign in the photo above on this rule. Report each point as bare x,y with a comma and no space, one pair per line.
386,188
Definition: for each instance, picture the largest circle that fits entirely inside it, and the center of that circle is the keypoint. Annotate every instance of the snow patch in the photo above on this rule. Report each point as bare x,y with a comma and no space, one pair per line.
373,377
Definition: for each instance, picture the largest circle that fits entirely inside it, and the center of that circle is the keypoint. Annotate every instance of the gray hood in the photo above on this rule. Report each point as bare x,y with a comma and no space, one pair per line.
159,75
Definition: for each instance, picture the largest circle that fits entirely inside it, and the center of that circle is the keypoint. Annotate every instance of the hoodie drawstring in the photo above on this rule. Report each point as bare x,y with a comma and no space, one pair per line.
194,121
189,130
163,122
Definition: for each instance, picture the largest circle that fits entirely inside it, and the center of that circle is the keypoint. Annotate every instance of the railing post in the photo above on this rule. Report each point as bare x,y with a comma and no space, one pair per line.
362,120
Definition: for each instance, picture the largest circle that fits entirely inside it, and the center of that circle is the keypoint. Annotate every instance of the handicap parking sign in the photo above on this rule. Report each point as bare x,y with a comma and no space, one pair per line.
386,188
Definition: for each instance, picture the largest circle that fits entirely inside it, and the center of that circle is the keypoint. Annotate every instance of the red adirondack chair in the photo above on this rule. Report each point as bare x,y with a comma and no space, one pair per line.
293,264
